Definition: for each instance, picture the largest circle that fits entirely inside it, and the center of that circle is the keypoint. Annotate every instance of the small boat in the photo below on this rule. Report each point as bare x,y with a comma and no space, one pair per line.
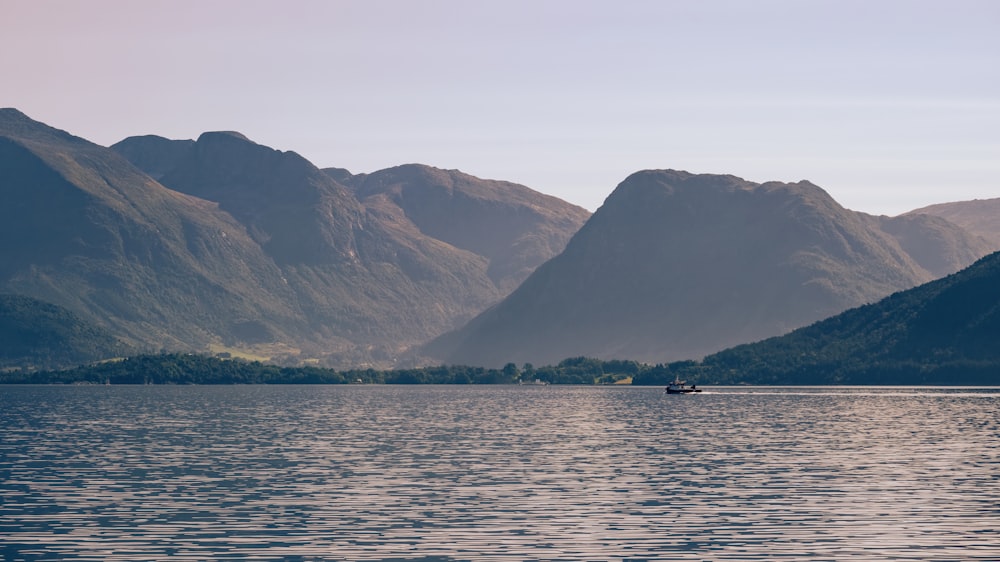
681,387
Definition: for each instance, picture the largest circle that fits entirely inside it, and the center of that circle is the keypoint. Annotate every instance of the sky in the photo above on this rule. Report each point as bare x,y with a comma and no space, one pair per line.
888,105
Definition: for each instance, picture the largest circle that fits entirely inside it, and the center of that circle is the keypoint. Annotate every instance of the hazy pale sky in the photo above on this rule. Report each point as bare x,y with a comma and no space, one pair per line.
888,105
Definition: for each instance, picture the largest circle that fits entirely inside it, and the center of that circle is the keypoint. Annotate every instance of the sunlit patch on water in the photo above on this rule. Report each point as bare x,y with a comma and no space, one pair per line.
498,473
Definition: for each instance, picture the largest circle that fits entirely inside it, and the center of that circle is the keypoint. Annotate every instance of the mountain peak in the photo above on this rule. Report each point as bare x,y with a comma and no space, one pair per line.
675,182
223,134
10,113
13,122
154,154
676,265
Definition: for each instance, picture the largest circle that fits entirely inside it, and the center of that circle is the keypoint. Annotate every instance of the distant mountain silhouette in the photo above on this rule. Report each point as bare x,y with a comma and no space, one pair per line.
153,154
981,217
676,266
939,246
943,332
515,228
239,245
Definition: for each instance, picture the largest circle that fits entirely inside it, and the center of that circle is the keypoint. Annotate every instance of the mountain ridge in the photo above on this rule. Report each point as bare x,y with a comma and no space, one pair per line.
651,275
516,232
327,236
235,244
979,216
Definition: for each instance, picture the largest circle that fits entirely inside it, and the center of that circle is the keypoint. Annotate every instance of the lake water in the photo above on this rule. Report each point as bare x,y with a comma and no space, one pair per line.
498,473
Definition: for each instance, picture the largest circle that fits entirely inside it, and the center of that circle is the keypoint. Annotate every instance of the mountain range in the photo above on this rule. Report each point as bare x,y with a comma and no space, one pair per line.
182,245
221,244
676,266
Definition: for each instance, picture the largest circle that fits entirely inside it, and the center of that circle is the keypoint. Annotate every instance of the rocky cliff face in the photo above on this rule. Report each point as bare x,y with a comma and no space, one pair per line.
677,265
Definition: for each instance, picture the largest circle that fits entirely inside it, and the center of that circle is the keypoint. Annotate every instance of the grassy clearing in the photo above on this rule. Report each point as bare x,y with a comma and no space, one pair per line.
239,353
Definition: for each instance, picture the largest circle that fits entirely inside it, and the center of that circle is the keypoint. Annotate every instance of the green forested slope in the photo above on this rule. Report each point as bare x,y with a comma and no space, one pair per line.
944,332
36,334
199,369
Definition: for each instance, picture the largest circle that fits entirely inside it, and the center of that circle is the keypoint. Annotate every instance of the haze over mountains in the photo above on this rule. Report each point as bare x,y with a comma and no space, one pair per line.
980,217
675,266
517,228
224,244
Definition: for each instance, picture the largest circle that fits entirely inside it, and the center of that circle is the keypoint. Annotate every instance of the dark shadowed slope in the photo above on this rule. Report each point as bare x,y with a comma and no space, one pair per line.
39,335
944,332
676,266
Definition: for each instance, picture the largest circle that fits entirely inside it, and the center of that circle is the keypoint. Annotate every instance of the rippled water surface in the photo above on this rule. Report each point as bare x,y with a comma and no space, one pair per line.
490,473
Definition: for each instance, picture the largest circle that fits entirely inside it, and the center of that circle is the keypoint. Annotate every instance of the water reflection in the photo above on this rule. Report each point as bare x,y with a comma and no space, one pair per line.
481,473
